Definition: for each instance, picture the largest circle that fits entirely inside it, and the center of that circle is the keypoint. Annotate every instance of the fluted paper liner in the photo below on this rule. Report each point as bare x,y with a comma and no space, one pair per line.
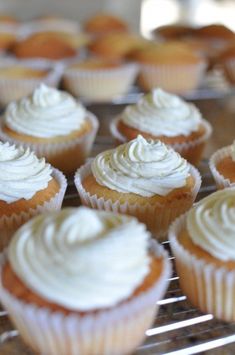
220,180
12,89
191,150
156,216
9,224
117,330
66,156
179,79
100,84
207,286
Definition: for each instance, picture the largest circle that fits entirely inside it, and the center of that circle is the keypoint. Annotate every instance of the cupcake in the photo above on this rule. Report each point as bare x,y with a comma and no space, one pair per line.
53,124
145,179
102,23
40,45
222,166
174,66
20,78
65,288
28,186
99,79
116,46
202,242
160,115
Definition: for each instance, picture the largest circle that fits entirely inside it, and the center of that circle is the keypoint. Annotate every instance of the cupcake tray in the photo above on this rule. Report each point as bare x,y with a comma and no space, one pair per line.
179,329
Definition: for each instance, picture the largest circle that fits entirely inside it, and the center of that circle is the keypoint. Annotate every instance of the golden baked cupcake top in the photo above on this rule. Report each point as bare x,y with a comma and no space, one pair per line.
172,53
21,72
46,113
61,258
173,31
116,45
162,114
22,174
42,45
143,167
214,32
102,23
211,224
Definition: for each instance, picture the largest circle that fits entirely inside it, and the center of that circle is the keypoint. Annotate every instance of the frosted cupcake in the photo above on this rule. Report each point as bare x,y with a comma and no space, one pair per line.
54,125
146,179
28,186
160,115
203,243
62,281
222,166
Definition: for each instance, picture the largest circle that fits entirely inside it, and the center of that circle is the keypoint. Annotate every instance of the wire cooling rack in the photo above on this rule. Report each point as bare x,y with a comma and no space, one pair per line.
179,328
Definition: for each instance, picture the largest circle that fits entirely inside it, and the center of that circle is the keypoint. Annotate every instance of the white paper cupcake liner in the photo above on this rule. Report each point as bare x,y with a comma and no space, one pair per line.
179,79
156,216
9,224
208,287
100,84
76,149
118,330
14,89
191,150
220,180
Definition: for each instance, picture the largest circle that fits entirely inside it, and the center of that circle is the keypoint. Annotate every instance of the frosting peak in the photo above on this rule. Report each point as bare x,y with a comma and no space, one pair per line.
144,167
63,259
162,114
22,174
47,113
211,224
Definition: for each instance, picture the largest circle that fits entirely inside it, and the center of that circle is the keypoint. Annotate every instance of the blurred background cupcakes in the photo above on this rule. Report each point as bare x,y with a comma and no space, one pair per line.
116,46
202,242
20,78
174,66
145,179
164,116
28,186
103,23
54,125
99,79
222,166
86,308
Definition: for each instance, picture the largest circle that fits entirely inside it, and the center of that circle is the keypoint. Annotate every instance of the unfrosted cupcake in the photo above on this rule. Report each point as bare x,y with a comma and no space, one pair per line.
146,179
63,282
164,116
222,166
203,243
99,79
54,125
20,78
28,186
103,23
174,66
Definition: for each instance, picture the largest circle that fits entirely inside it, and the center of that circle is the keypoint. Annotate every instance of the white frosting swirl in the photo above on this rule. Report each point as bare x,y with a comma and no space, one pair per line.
47,113
81,258
211,224
142,167
22,174
162,114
